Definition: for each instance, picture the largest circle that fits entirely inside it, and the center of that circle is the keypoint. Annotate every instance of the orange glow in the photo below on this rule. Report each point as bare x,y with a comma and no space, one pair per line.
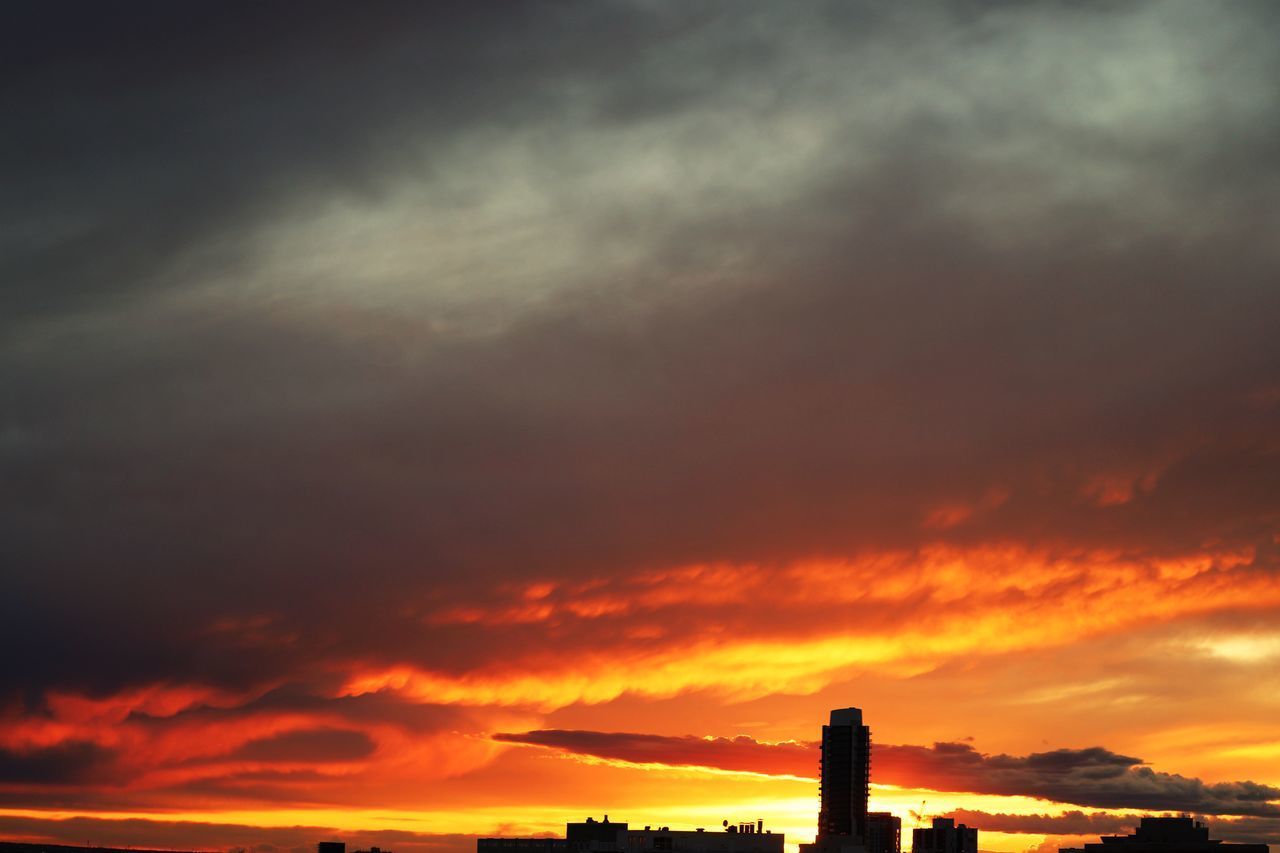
987,601
703,650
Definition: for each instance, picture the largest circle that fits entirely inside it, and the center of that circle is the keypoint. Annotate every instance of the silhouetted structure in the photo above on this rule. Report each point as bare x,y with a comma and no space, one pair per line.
1168,835
846,775
884,833
592,836
944,837
581,836
844,769
331,847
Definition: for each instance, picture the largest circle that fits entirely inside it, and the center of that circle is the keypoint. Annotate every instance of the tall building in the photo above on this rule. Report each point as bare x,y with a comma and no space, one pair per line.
846,775
944,837
1168,835
884,833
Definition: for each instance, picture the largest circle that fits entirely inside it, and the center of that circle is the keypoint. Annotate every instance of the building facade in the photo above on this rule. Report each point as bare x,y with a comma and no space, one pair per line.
884,833
845,773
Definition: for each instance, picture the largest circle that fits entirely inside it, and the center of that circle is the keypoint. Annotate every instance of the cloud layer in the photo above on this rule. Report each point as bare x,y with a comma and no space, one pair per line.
1094,777
370,383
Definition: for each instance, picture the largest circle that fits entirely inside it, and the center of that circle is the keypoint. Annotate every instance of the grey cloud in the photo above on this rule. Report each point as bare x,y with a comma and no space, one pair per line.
798,281
151,138
1093,777
67,763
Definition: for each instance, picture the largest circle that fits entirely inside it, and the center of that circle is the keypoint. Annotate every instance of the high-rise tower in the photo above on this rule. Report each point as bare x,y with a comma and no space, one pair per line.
846,775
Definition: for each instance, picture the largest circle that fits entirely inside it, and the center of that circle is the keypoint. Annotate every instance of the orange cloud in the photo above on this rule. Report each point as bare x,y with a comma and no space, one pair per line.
746,631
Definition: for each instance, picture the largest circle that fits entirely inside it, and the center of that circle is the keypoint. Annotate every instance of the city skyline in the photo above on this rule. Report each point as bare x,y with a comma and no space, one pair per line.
845,823
424,421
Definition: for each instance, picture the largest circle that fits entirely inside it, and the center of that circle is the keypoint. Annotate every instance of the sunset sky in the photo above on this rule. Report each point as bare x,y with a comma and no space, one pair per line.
422,421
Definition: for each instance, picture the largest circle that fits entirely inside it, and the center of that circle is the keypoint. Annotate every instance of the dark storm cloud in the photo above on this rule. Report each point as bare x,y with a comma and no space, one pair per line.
67,763
1094,777
884,261
149,138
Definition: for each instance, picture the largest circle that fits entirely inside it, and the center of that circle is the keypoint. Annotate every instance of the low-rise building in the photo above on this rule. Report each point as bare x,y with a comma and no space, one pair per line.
944,837
884,833
1169,835
605,836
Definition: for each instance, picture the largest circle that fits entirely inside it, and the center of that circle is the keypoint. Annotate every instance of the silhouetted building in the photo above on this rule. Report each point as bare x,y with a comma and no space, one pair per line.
331,847
581,836
740,838
835,844
1169,835
846,775
592,836
944,837
884,833
844,769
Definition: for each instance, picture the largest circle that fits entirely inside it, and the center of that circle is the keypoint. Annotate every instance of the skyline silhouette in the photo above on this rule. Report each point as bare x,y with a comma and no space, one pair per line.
845,823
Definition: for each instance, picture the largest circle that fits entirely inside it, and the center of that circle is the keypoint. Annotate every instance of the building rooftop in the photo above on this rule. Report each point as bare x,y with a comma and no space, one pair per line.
1169,835
846,717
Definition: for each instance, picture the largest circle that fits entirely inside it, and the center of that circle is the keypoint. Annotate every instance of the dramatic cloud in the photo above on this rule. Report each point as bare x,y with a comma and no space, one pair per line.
68,762
372,380
585,306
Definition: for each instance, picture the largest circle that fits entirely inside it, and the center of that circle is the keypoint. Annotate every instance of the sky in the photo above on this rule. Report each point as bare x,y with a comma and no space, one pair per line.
423,421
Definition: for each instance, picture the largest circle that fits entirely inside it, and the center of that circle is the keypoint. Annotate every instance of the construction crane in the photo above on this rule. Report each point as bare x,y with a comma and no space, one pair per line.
920,815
